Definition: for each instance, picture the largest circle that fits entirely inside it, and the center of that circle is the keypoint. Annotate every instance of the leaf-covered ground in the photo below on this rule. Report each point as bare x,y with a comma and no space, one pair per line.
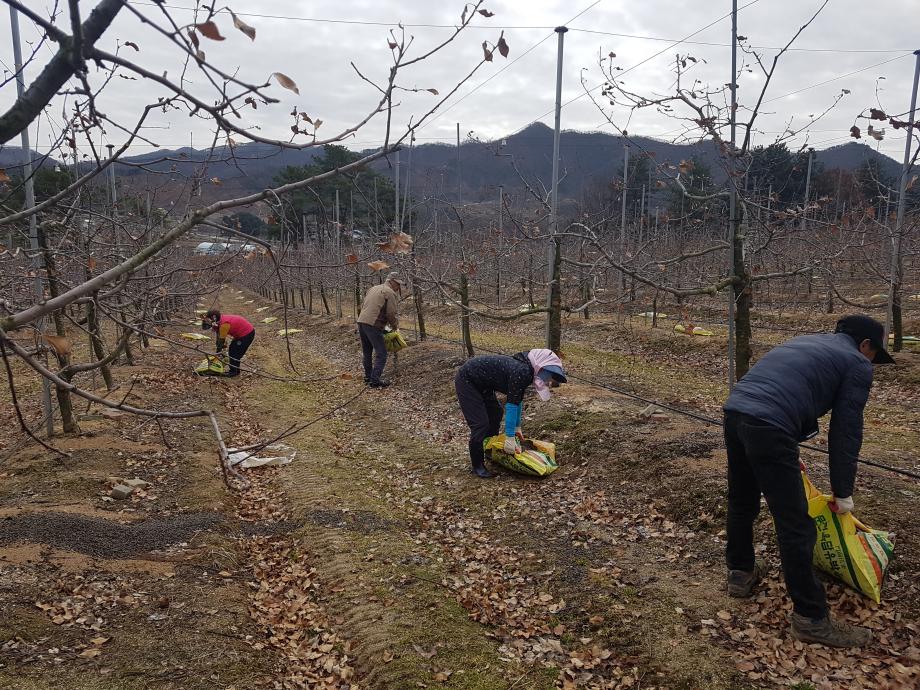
376,560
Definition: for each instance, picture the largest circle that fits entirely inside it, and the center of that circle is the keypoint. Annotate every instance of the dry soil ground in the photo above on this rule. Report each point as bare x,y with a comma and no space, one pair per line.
376,560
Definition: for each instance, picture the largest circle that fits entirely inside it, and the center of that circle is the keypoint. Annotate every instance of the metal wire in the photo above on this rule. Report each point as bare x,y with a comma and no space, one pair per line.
693,415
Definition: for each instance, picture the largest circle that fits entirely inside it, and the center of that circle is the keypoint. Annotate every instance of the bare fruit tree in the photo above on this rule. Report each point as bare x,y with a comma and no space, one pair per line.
109,266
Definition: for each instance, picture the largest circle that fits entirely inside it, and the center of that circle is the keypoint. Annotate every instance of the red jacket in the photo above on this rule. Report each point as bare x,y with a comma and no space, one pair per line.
234,326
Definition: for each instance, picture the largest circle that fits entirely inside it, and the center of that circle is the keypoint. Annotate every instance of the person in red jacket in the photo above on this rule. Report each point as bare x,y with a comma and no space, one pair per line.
236,327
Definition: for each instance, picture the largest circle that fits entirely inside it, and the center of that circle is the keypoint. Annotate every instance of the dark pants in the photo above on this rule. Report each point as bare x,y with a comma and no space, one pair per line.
237,349
482,412
763,459
372,343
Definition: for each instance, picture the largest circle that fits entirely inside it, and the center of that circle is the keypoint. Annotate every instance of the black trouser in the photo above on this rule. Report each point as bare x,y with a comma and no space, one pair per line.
765,459
482,412
372,343
237,349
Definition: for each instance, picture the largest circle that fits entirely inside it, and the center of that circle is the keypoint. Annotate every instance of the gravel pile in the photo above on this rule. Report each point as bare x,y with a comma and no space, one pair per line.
103,538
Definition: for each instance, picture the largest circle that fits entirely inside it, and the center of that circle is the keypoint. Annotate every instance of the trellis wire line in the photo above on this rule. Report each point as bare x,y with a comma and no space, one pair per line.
691,415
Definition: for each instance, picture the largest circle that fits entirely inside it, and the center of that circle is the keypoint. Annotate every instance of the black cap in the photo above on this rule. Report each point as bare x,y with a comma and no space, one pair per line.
860,328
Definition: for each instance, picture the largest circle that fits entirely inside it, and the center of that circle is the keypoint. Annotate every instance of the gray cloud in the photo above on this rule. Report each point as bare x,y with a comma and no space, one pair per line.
317,56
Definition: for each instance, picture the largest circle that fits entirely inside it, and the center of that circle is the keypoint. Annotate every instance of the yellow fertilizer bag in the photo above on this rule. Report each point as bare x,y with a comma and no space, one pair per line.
537,458
214,365
846,549
394,341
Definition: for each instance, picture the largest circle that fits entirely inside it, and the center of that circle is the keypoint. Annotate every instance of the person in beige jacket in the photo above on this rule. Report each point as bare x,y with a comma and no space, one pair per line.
380,309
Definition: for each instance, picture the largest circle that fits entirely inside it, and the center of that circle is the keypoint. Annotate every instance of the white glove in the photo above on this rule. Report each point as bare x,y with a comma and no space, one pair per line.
842,505
512,446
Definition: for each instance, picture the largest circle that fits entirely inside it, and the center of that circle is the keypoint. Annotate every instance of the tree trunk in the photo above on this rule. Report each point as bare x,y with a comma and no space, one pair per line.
65,404
465,315
554,318
322,293
530,281
129,356
357,301
95,339
742,293
419,309
897,322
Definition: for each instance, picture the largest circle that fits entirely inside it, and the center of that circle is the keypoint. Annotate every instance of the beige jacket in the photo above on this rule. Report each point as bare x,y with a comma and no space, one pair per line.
380,307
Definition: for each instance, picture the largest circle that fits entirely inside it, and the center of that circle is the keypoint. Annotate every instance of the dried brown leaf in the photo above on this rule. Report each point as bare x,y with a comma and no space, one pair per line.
58,343
243,26
503,47
286,82
209,30
425,653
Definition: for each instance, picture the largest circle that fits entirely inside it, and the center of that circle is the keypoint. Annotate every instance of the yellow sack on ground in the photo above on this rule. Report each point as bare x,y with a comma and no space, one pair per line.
846,549
697,330
214,365
394,341
194,336
537,458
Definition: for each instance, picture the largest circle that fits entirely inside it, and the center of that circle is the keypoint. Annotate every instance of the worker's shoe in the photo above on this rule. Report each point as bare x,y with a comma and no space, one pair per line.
378,383
233,373
829,632
479,469
741,583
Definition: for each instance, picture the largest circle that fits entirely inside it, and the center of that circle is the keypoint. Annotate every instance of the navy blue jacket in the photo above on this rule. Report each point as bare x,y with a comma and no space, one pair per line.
508,375
804,379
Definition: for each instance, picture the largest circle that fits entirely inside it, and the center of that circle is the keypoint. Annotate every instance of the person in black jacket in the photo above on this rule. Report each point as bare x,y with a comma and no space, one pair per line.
478,380
774,407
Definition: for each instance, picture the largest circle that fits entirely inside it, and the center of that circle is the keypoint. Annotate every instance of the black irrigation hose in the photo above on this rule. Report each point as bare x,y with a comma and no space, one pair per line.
694,415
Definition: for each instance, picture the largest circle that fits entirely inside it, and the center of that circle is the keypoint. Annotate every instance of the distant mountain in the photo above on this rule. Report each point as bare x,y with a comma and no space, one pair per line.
587,158
11,159
853,155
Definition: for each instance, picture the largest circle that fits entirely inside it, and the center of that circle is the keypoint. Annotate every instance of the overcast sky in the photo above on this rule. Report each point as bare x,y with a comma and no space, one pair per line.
849,46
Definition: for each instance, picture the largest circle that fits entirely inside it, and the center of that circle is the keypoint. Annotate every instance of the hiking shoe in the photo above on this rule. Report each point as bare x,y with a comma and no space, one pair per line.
741,583
378,384
829,632
481,472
